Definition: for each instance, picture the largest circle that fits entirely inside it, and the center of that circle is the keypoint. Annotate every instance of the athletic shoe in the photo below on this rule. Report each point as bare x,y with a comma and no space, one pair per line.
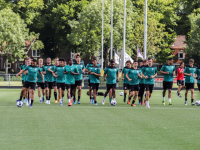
141,102
177,93
70,104
185,102
92,101
78,102
129,102
133,105
103,102
61,103
163,102
46,102
74,102
124,100
56,101
96,104
170,103
24,101
148,107
40,101
27,103
49,102
43,99
179,96
18,100
31,106
192,104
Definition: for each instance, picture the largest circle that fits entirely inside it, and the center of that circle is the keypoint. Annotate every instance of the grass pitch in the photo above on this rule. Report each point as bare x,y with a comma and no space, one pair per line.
88,127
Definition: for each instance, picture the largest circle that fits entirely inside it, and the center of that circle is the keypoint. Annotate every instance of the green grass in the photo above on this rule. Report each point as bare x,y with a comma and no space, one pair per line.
88,127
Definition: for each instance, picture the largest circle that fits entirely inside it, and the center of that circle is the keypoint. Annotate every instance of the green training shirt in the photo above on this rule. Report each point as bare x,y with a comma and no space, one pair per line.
32,75
170,69
133,74
111,77
70,78
80,67
48,77
60,74
91,65
149,71
93,78
188,70
39,78
198,74
23,75
141,80
125,71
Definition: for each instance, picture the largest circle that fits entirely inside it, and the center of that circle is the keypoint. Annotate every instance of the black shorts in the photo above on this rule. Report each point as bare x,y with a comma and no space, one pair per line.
126,86
70,86
49,84
89,82
134,87
41,85
61,85
23,82
180,82
189,86
94,86
198,84
149,87
78,83
110,86
54,83
141,90
167,85
32,85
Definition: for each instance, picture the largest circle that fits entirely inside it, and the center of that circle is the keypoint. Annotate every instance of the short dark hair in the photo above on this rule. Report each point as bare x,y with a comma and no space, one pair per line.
34,60
70,59
128,61
135,61
145,60
61,59
112,61
181,63
78,55
150,58
191,60
170,58
94,58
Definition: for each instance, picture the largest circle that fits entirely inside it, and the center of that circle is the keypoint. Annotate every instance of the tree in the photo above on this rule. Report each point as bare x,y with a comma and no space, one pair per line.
13,34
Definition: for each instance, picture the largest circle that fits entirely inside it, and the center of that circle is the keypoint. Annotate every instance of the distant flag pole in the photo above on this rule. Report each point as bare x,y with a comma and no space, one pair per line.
139,54
145,31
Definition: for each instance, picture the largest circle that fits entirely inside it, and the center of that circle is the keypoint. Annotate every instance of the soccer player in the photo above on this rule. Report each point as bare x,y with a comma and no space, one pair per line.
180,79
70,71
169,71
90,64
49,78
141,85
78,79
149,72
31,79
40,82
58,72
197,76
111,76
54,83
133,75
125,79
189,72
94,74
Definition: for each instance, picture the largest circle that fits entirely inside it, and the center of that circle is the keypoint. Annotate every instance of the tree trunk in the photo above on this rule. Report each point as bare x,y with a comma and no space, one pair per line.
6,69
107,56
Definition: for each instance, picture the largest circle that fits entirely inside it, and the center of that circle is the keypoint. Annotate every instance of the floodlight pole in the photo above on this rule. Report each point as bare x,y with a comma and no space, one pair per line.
102,34
145,31
111,47
124,36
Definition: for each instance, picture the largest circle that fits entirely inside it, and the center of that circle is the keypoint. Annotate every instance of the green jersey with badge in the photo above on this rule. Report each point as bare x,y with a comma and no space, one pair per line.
125,71
93,78
91,65
80,67
39,78
111,77
23,75
60,74
170,69
70,78
133,74
48,77
149,71
198,74
188,70
32,73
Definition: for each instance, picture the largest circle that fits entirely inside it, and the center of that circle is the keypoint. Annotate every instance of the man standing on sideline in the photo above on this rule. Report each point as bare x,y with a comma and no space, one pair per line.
169,71
180,79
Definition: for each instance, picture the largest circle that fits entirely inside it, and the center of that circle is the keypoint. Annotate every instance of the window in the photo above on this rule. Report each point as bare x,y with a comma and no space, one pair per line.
35,53
181,55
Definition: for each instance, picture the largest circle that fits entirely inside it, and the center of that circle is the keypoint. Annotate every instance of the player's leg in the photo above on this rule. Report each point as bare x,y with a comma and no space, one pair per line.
79,92
192,94
43,91
39,94
186,94
55,92
60,95
47,92
164,92
32,93
95,90
106,93
170,84
134,98
125,91
110,95
90,92
131,93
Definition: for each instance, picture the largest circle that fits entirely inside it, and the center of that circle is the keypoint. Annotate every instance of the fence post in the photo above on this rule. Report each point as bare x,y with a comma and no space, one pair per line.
9,79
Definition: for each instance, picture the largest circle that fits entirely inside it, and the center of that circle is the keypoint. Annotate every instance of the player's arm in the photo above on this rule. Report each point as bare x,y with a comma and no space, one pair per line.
144,76
128,77
42,76
154,75
75,72
187,74
139,75
96,74
21,71
117,76
104,76
122,76
174,73
83,69
50,70
55,74
162,71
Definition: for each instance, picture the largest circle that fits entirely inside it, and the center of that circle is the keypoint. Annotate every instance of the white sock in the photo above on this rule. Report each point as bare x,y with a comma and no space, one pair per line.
147,103
163,98
40,98
60,100
104,98
169,99
113,99
69,100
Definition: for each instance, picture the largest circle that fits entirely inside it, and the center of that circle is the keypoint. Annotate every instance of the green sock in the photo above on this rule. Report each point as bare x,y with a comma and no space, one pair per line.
110,99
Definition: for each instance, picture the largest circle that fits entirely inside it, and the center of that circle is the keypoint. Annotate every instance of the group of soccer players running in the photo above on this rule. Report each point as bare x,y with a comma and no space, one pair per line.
68,75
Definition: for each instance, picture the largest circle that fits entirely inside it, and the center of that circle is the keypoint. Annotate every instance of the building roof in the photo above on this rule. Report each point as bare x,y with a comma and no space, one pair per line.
179,42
